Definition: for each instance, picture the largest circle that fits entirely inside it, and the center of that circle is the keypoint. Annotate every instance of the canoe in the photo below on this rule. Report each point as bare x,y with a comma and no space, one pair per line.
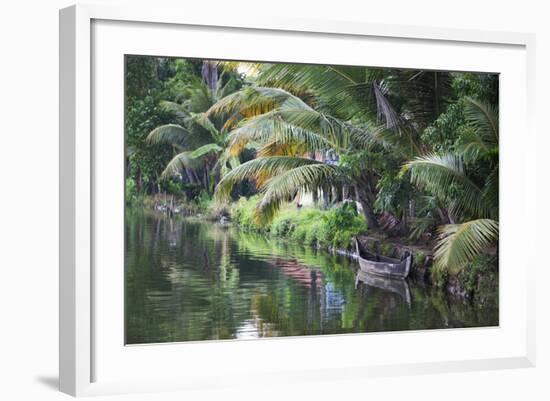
381,265
394,285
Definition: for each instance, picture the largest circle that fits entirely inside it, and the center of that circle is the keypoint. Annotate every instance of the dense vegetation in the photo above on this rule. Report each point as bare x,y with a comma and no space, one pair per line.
327,228
297,150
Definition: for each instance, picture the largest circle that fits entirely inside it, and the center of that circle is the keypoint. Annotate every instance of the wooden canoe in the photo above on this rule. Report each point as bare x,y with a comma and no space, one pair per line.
381,265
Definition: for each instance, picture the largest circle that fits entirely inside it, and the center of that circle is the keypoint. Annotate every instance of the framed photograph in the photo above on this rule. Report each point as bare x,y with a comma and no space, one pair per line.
296,200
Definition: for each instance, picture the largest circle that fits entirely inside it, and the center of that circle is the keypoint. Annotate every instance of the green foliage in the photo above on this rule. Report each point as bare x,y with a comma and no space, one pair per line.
279,179
328,228
198,138
481,265
143,113
131,193
181,189
203,200
465,180
140,76
419,258
392,193
145,161
165,97
242,213
481,86
341,224
479,280
459,244
417,148
443,134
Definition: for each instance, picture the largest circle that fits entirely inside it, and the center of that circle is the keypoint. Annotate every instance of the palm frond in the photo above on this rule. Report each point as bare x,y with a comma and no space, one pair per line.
344,90
276,148
180,162
170,133
285,186
423,94
349,95
400,140
472,146
199,97
272,127
259,169
174,107
205,149
483,117
439,173
459,244
203,120
326,80
256,100
384,108
490,192
298,123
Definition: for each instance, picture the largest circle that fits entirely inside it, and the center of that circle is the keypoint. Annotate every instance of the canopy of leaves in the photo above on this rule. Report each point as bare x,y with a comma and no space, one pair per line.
417,147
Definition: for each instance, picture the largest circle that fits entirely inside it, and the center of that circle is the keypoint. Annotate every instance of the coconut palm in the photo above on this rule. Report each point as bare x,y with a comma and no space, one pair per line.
346,110
285,134
467,180
197,138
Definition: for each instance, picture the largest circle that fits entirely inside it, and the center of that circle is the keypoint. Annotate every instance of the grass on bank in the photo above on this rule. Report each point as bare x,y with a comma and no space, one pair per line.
334,227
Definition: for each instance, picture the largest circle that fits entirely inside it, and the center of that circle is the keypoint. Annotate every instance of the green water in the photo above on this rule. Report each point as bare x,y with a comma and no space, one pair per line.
189,280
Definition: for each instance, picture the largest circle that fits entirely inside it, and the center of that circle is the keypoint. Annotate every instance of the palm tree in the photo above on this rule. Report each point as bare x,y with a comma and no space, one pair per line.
467,180
198,139
288,130
348,110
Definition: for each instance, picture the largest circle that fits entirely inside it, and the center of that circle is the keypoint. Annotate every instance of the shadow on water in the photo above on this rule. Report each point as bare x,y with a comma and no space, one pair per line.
191,280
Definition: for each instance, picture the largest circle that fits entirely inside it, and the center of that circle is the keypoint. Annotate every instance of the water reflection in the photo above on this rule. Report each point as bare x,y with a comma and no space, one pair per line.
396,286
191,280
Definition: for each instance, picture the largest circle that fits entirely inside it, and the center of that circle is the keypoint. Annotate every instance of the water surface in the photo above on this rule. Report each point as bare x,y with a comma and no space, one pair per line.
189,280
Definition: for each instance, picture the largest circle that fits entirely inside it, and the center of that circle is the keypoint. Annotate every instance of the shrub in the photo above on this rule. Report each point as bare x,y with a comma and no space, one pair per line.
242,213
203,201
479,279
131,193
334,227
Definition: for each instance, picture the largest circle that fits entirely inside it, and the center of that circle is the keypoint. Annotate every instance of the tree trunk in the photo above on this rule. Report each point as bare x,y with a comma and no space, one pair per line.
190,177
197,179
315,197
205,178
326,196
363,199
139,182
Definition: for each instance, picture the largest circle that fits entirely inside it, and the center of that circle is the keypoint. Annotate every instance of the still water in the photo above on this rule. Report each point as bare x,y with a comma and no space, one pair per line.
189,280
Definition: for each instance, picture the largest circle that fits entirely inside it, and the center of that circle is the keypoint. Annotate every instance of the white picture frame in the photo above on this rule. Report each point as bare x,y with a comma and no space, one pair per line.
92,357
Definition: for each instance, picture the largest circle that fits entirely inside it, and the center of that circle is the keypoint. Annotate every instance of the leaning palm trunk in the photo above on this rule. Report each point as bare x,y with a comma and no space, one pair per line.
366,205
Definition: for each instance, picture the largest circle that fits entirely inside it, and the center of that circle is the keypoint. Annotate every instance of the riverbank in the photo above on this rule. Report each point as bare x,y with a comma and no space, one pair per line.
333,230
